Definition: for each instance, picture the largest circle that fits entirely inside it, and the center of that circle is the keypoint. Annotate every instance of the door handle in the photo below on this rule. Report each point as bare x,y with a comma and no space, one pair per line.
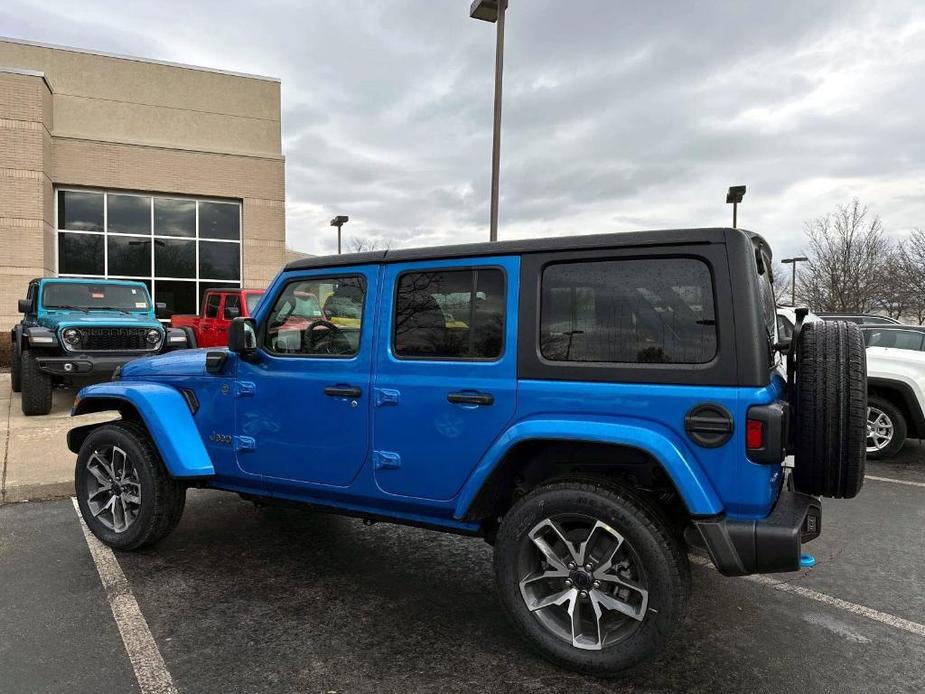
470,398
343,391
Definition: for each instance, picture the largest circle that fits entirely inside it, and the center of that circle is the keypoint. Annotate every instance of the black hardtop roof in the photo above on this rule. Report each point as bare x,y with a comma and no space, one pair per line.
541,245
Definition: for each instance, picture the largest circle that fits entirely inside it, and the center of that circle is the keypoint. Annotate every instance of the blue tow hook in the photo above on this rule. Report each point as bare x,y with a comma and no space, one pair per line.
807,561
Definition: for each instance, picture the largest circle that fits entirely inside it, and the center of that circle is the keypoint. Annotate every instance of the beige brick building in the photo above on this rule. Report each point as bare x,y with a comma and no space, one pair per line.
123,167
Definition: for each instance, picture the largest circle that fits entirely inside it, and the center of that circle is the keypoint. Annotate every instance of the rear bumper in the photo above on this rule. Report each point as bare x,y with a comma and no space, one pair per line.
769,545
85,364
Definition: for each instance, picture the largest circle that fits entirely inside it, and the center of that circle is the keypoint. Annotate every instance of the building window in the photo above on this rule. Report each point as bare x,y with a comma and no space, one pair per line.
179,247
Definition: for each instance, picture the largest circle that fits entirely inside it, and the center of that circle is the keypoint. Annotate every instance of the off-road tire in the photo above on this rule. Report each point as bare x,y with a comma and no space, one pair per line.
830,410
162,497
15,366
900,429
37,386
653,538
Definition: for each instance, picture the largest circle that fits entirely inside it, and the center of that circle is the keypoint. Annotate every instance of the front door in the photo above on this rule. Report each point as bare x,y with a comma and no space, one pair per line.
303,400
207,335
446,371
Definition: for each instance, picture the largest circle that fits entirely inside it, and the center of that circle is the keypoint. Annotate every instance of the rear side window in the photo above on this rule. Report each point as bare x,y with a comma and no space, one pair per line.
450,314
212,302
655,310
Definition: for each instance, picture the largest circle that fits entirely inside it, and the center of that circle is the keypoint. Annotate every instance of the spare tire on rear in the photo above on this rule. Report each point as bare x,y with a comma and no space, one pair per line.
830,408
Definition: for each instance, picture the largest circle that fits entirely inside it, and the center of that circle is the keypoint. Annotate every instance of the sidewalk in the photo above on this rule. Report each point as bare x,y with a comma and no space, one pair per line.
36,463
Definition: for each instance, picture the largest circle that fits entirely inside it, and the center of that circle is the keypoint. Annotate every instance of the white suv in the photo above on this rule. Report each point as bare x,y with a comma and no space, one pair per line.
895,382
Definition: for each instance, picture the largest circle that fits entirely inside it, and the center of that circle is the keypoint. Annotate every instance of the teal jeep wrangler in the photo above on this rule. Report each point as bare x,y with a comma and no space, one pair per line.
75,331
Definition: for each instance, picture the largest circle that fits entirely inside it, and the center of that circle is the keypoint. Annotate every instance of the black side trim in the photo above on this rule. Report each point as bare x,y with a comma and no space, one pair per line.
770,545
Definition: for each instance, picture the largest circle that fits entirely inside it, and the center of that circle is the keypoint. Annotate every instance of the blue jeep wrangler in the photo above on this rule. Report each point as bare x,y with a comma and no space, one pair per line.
75,331
593,406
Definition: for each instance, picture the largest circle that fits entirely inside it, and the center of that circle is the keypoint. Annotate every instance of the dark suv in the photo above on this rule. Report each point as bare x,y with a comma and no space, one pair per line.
592,406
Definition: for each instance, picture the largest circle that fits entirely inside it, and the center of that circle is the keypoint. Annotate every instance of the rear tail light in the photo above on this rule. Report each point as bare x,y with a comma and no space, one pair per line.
754,434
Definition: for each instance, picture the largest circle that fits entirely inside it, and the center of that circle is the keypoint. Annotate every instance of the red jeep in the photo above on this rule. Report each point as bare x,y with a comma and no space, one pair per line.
219,308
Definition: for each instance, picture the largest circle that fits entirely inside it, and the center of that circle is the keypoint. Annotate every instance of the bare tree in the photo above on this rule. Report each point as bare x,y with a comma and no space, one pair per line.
912,254
847,250
897,294
358,244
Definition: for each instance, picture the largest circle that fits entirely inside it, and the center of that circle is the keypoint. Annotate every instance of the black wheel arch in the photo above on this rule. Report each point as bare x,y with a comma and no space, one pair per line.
127,412
533,462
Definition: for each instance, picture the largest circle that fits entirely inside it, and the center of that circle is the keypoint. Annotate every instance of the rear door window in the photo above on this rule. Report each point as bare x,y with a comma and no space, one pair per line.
450,314
653,310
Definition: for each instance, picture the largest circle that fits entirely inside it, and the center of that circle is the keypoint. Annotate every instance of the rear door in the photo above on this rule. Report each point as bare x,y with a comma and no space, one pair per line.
446,370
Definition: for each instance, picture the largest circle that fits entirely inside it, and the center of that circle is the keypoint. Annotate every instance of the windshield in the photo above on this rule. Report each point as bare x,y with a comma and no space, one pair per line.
88,296
252,301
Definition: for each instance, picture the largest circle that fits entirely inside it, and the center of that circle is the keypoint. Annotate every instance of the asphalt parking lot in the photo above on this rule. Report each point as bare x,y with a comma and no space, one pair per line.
246,600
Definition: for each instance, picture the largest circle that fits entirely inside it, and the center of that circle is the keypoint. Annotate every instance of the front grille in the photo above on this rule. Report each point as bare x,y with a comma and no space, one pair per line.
114,339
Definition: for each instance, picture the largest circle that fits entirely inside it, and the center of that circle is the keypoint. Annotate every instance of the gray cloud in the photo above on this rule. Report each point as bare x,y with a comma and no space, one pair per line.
616,116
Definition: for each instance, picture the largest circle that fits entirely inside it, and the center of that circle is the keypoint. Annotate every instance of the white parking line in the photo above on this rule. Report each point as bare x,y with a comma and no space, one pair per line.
861,610
150,670
890,479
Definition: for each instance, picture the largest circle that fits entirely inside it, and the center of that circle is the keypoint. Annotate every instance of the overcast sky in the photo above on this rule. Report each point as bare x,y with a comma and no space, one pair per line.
617,115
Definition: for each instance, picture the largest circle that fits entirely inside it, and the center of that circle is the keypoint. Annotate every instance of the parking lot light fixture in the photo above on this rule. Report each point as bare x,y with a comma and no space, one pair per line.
338,222
734,197
494,11
793,275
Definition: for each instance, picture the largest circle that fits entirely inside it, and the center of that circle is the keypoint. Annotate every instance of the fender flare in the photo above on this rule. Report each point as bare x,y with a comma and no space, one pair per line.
680,466
164,412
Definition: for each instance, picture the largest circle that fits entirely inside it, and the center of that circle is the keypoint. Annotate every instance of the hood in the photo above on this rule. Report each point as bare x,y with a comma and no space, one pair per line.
103,319
183,362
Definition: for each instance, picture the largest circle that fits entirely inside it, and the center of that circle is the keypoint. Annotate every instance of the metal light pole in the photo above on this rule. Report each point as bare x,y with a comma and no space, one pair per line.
338,222
494,11
793,275
734,196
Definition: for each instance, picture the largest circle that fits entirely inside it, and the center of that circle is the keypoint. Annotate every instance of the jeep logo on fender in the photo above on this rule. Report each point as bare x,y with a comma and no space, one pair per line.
220,438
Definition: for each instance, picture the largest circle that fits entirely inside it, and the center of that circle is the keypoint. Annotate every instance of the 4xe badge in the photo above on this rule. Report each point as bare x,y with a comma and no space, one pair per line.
220,438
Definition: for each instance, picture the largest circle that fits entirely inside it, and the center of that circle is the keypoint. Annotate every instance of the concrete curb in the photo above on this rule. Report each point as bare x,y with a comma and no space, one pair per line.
37,492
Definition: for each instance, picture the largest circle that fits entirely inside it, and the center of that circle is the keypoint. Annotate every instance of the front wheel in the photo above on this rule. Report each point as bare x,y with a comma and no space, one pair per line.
37,386
593,576
16,367
886,429
126,497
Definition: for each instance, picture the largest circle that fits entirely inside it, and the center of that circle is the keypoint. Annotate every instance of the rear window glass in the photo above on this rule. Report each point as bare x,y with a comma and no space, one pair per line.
898,339
654,310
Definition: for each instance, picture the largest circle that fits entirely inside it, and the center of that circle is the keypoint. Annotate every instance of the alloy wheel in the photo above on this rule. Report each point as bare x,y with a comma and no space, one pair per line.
583,581
879,429
112,489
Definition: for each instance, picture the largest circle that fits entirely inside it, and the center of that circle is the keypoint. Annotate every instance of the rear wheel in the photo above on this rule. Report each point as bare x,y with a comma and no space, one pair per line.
593,576
125,495
886,429
36,386
15,367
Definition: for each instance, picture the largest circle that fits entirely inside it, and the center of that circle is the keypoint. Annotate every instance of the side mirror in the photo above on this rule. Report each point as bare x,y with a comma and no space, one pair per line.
25,306
232,312
242,336
160,310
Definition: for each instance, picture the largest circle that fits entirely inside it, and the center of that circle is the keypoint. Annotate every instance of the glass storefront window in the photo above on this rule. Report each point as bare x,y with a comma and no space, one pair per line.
178,246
